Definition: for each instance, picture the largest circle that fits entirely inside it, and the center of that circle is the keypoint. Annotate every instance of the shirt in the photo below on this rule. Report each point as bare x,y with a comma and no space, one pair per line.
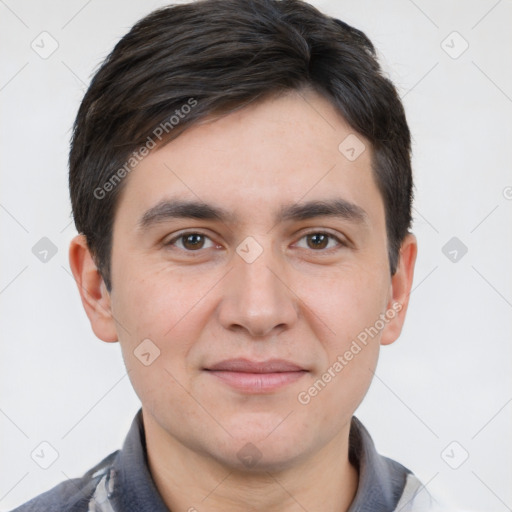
122,481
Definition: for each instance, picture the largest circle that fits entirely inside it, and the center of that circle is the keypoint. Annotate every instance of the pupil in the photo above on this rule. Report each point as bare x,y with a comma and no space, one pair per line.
193,241
318,240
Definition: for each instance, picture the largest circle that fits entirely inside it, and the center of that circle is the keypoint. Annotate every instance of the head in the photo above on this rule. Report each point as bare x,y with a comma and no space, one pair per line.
240,178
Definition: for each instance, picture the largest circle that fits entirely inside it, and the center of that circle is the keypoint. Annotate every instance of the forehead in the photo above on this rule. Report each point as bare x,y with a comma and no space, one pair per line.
284,150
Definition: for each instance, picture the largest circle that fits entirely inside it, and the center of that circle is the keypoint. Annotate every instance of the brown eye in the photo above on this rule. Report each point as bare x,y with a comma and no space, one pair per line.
320,241
192,241
317,240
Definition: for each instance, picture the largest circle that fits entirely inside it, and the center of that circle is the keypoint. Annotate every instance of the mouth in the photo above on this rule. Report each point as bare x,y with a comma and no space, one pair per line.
256,376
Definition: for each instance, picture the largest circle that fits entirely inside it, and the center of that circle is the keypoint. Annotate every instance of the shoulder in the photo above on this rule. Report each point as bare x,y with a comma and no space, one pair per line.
416,498
72,495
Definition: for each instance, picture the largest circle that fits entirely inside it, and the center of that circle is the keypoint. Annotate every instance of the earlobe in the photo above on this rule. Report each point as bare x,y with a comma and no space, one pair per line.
401,283
93,292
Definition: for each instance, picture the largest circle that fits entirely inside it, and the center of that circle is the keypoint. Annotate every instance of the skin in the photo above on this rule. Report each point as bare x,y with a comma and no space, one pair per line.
296,302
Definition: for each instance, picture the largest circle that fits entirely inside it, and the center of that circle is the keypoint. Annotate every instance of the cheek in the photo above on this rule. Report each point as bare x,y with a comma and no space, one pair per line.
345,303
351,306
347,309
159,302
160,316
157,326
346,313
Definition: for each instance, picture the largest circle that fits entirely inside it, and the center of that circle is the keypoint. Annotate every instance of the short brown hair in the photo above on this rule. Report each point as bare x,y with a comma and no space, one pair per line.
222,55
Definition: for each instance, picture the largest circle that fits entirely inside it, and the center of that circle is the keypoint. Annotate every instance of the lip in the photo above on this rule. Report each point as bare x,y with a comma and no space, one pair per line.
256,376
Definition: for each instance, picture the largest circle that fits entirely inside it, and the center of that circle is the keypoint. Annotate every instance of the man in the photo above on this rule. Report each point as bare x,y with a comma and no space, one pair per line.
240,178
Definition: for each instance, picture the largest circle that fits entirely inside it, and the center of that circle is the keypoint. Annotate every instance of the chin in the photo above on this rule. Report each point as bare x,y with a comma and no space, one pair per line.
250,459
253,449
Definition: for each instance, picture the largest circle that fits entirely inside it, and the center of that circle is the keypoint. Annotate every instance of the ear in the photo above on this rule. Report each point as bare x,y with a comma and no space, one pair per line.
401,283
93,292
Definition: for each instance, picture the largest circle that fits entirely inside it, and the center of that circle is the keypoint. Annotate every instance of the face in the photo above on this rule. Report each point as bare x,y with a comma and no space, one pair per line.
249,261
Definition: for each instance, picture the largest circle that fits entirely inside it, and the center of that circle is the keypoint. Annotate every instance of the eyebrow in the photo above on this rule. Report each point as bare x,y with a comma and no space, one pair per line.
174,209
328,208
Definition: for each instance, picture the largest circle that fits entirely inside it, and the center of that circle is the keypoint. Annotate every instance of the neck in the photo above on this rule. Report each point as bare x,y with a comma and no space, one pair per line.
191,481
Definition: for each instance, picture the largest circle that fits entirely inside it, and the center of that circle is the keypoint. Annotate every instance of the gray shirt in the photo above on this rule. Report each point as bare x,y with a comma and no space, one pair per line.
122,481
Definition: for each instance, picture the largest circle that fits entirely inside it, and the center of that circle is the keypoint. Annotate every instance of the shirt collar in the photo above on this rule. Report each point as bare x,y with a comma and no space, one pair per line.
381,480
134,488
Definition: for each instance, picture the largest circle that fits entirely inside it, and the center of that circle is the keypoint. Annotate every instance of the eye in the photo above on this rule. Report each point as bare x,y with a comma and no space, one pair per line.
191,241
319,241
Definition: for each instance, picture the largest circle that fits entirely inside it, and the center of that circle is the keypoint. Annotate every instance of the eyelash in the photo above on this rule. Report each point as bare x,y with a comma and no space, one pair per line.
183,235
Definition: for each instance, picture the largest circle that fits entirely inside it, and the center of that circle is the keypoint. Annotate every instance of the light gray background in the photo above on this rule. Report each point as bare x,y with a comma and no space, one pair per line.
449,376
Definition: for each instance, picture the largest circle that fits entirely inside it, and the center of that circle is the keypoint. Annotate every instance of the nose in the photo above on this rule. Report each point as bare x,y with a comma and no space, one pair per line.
256,298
